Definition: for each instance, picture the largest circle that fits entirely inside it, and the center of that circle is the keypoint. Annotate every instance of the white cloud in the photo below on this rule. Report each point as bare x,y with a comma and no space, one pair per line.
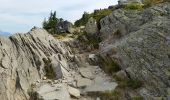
21,15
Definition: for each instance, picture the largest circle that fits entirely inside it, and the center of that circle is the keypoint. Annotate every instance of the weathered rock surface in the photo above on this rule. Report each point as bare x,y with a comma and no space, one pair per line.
74,92
55,92
140,42
85,72
91,26
21,61
25,59
100,85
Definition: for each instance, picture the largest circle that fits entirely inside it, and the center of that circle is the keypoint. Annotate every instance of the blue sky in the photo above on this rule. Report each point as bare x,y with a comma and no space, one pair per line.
22,15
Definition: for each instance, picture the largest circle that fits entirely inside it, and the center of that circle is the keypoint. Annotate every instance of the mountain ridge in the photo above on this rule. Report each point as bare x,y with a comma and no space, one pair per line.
6,34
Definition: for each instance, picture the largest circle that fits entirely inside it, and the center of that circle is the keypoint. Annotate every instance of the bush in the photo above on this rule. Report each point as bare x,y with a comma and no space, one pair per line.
134,84
98,15
110,95
109,65
50,73
137,98
131,83
134,6
148,3
33,95
92,40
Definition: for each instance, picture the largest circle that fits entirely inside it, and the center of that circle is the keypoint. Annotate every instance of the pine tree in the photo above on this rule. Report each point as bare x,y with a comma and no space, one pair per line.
51,24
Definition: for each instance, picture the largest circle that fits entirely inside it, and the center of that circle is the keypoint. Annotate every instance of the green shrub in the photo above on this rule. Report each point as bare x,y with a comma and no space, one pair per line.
50,73
101,14
98,15
33,95
110,95
148,3
131,83
91,40
137,98
134,84
134,6
108,64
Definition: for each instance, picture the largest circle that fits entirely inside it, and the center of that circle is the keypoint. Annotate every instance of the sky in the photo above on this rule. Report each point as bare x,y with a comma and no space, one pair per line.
21,15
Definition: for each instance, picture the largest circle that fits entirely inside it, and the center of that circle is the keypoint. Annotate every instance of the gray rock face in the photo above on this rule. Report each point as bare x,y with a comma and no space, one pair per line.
85,72
56,92
91,26
143,48
74,92
21,61
64,27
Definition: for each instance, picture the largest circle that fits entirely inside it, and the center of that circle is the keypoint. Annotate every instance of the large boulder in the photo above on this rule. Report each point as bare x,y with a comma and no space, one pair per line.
74,92
55,92
143,48
22,61
91,26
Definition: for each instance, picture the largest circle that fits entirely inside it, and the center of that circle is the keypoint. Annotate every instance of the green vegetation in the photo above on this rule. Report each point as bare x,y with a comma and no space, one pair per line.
33,95
98,15
110,95
92,40
134,84
148,3
83,20
108,64
134,6
137,98
138,6
50,73
130,83
51,23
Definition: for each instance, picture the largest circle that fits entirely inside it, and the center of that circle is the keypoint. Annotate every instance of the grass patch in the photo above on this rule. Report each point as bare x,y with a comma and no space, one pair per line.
97,15
137,98
134,84
149,3
113,95
134,6
108,95
33,95
109,65
50,73
92,40
130,83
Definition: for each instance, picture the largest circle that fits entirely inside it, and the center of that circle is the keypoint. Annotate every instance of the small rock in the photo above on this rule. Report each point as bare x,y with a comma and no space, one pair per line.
56,92
56,82
97,98
74,92
64,81
85,72
121,74
83,82
38,81
44,78
102,87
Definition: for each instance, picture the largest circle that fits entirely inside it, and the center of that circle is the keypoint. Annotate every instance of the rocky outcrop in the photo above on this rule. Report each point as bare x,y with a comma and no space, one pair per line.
21,62
139,42
91,26
37,66
64,27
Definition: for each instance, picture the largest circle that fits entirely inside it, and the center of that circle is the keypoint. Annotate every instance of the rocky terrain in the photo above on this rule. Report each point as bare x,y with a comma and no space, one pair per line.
24,58
139,42
131,63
